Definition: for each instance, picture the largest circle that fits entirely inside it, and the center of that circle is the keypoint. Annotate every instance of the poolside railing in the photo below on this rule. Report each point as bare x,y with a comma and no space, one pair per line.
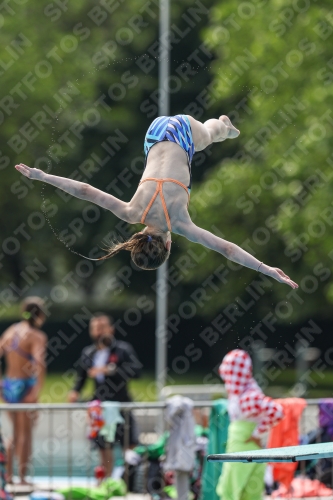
62,454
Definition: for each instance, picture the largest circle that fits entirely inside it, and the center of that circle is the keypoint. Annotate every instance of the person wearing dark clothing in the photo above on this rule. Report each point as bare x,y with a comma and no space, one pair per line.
121,365
111,363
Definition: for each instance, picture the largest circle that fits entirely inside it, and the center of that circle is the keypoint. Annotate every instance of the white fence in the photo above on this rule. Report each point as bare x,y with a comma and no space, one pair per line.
62,453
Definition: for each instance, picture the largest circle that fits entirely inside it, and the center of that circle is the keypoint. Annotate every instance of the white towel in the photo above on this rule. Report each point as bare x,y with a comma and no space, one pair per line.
112,417
180,453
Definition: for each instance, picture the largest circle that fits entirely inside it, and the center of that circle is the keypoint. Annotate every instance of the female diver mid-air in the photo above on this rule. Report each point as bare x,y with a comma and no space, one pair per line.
162,197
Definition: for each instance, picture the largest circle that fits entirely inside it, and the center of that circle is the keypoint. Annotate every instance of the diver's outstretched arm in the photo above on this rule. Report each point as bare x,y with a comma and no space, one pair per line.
79,190
230,251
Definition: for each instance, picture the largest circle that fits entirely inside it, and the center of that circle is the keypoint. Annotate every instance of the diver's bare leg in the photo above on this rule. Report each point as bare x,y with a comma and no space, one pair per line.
211,131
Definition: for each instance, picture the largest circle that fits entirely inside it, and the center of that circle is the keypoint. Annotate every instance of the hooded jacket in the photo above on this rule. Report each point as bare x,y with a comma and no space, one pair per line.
246,401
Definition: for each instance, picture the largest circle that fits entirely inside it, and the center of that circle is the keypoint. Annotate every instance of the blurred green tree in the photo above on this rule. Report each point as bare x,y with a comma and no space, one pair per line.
273,73
78,88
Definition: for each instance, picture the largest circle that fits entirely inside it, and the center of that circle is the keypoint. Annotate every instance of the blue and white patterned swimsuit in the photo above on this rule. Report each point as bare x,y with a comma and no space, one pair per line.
175,129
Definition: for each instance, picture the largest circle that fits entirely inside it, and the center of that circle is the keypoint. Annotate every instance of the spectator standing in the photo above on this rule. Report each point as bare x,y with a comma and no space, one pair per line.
111,363
251,414
23,346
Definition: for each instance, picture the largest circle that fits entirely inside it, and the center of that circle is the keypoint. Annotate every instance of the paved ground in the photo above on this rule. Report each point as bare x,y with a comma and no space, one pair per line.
130,496
44,484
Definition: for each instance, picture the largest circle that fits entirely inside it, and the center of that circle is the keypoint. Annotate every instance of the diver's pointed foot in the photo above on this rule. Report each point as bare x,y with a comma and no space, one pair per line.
233,132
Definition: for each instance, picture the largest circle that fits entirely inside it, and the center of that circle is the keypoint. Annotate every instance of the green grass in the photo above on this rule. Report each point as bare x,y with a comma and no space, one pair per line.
320,385
56,386
319,382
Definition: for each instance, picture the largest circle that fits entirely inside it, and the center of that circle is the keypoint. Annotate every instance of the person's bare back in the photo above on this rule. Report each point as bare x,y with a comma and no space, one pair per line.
21,344
166,160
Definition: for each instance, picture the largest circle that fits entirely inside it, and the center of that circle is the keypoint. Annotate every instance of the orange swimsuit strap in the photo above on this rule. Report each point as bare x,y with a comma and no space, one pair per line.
159,189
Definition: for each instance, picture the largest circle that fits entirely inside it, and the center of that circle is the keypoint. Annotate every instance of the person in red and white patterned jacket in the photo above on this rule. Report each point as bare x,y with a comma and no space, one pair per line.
251,414
246,401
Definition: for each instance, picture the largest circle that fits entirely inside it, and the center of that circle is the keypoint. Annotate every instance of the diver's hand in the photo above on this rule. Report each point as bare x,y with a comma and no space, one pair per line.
31,173
278,275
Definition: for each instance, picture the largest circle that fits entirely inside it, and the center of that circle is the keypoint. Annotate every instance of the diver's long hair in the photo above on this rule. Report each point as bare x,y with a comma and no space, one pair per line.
148,250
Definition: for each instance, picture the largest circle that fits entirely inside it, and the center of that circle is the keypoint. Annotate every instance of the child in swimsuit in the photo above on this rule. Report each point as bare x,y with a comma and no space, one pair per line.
162,197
